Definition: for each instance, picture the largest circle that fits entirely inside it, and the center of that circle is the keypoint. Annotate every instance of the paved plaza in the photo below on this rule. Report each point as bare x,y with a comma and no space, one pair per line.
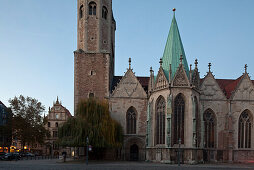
55,165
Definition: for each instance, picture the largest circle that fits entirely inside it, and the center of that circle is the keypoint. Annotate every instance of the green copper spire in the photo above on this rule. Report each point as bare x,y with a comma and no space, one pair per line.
173,51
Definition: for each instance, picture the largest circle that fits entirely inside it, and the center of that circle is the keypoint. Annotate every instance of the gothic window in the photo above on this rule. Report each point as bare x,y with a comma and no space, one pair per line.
131,121
92,8
179,119
209,122
56,124
160,120
48,124
244,130
104,12
81,10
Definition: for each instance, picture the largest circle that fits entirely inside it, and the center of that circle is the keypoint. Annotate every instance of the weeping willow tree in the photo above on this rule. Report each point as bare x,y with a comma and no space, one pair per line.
92,119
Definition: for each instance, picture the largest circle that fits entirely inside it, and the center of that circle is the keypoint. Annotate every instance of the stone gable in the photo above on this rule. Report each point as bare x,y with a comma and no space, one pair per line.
210,89
244,89
161,80
129,86
181,78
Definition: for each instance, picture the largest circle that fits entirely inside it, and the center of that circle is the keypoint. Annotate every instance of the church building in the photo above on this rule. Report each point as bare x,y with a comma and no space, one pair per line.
209,119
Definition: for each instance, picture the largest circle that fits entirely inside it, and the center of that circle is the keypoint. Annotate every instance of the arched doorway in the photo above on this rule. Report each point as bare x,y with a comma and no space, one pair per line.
134,152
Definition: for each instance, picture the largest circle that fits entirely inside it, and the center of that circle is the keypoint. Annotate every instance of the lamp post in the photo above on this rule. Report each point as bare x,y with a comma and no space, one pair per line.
87,144
178,155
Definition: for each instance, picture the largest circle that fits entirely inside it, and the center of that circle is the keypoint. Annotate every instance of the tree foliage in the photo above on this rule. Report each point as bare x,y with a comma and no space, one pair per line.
27,121
93,120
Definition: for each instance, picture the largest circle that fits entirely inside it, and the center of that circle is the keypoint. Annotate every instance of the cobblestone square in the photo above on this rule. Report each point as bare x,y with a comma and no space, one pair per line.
96,165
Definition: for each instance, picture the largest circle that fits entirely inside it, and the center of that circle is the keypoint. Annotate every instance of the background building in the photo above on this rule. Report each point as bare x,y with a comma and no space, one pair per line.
5,128
210,119
57,115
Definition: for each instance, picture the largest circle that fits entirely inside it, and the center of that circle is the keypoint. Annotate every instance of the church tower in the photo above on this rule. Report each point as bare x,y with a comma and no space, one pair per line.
94,58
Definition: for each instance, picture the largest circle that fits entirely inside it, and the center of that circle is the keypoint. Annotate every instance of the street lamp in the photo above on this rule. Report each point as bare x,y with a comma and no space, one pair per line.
87,144
179,146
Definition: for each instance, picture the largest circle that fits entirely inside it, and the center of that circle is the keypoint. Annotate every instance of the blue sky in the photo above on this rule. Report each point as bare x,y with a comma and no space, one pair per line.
37,40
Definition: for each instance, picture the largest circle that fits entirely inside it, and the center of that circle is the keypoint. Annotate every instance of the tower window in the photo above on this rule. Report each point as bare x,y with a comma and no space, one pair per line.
91,95
81,10
56,124
92,8
48,124
104,12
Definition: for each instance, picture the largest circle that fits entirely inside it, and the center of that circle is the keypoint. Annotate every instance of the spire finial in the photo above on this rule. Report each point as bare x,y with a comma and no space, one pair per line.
161,62
245,68
209,67
181,59
129,63
57,101
196,63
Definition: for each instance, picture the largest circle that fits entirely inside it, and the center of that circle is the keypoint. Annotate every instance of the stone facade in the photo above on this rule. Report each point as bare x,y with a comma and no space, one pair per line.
209,119
57,115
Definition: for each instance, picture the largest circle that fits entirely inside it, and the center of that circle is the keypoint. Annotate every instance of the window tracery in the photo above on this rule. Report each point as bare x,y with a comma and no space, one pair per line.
160,121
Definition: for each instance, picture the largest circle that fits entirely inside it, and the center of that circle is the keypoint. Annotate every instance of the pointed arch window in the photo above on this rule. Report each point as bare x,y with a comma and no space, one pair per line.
160,120
131,121
179,107
209,122
104,12
81,10
92,8
244,130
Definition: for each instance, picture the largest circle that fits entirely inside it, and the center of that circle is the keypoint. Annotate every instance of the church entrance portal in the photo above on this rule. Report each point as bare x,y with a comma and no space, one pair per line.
134,152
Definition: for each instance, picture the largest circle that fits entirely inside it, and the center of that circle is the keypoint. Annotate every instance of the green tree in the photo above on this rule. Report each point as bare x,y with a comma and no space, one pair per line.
92,119
27,121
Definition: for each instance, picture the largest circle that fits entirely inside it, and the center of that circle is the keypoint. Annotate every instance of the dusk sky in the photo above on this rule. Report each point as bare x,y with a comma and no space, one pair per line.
38,37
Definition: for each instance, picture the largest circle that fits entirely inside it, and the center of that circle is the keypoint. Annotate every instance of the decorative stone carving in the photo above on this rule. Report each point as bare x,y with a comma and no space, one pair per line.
245,90
210,89
196,79
161,80
181,78
129,86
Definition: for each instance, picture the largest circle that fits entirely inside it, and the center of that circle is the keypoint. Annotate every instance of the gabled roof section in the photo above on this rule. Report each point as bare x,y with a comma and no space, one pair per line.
228,85
161,81
244,89
173,50
129,86
181,79
210,89
144,81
